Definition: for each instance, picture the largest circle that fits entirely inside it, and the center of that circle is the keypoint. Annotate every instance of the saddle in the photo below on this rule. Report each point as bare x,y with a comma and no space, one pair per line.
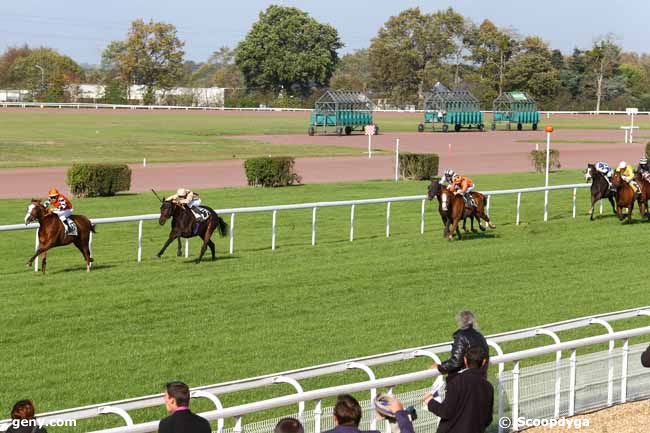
70,227
200,213
470,203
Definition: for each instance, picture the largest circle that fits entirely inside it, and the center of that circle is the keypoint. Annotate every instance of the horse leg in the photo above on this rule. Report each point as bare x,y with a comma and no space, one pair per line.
454,229
206,238
39,251
179,249
43,261
212,249
172,237
611,201
82,245
629,212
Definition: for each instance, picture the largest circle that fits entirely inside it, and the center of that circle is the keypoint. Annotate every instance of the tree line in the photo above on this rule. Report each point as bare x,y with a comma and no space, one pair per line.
288,59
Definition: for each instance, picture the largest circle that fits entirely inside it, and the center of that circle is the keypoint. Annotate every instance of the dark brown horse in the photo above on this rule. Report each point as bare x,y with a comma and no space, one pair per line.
600,189
452,209
625,196
51,233
644,196
184,225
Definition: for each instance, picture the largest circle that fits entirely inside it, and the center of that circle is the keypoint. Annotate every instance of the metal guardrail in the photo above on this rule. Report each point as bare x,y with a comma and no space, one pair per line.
366,363
314,207
96,106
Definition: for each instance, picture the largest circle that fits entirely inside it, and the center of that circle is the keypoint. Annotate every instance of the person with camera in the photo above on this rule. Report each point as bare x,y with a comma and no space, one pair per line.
391,409
347,416
465,337
469,399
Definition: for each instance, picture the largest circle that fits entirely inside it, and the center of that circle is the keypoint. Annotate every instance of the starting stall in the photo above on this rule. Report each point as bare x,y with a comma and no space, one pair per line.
342,112
515,107
458,108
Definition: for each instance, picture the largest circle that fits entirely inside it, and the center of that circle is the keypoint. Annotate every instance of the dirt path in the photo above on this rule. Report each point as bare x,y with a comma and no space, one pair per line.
470,152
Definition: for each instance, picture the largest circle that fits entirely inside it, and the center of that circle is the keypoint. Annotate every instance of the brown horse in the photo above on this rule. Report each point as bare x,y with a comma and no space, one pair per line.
51,233
644,196
625,196
184,225
452,209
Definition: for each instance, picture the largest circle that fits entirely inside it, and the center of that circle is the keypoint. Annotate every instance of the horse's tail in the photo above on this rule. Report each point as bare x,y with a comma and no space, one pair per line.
222,226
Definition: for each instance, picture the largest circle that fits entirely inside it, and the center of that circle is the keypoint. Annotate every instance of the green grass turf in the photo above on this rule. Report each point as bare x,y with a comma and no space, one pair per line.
33,138
71,338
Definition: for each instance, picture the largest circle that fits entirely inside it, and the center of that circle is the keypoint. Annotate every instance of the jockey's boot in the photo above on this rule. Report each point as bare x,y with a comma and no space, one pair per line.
67,226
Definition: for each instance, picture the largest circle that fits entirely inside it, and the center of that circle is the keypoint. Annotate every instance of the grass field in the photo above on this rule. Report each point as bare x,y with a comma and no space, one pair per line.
71,338
50,138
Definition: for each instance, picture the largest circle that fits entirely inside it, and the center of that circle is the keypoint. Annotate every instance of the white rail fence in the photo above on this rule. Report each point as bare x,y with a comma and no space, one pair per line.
89,105
314,207
542,391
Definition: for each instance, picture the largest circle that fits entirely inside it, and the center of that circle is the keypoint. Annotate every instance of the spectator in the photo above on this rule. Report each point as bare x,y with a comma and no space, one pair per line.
181,419
469,400
23,420
645,358
347,415
389,407
289,425
465,337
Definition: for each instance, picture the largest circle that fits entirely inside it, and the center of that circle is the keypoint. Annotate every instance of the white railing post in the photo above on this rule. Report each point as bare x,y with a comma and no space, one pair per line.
299,390
515,396
424,200
215,400
373,391
140,241
36,243
351,223
575,191
388,220
116,411
518,207
313,226
502,367
572,382
232,233
318,412
558,367
187,248
487,206
624,362
90,246
601,207
238,427
610,369
275,214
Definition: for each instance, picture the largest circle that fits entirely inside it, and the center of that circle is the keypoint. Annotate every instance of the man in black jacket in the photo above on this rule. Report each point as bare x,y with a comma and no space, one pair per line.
465,337
181,419
469,399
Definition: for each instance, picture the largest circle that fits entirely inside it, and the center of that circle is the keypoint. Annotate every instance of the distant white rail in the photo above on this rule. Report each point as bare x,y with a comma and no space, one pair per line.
314,206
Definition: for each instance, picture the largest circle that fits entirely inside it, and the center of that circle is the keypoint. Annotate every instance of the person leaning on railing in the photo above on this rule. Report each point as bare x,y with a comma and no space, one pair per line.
23,420
465,337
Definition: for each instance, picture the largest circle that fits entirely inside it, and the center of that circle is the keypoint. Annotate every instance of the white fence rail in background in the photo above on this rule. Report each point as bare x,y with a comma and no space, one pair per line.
513,387
314,206
90,105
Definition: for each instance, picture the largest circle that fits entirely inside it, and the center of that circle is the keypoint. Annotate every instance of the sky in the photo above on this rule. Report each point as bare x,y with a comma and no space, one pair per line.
83,28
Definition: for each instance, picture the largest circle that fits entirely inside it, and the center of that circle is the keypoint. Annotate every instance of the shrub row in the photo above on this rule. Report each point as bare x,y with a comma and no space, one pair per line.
97,180
271,171
538,158
418,166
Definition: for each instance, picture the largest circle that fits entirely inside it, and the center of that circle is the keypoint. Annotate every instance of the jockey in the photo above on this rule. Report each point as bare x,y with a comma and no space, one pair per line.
627,174
643,166
448,177
463,185
186,197
59,204
605,169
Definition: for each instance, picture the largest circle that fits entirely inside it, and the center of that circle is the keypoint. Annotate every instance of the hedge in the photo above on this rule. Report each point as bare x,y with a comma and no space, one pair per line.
271,171
98,180
538,158
647,149
418,166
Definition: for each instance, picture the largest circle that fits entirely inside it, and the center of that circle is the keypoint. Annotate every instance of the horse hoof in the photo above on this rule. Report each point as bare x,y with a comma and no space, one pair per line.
492,226
157,257
28,264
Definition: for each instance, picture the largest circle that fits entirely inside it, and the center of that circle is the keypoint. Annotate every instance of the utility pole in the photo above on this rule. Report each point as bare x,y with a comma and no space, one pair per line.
42,77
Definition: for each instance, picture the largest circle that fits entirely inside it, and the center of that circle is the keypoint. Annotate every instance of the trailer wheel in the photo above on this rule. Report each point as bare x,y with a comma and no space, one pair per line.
481,127
457,127
420,128
445,128
348,130
494,127
534,126
311,131
520,126
339,131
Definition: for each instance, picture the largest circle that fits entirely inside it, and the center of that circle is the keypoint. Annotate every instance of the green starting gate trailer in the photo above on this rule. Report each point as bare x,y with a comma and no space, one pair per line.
515,107
451,107
342,111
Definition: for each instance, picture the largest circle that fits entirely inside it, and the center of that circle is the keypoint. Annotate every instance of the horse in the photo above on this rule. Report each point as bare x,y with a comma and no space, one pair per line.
600,189
51,233
644,196
452,209
184,225
625,196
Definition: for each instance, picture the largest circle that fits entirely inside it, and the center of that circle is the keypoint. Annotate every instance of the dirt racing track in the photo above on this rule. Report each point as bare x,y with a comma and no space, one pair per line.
469,152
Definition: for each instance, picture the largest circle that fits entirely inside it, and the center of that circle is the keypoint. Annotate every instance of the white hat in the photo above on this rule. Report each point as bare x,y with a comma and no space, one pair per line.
181,192
622,165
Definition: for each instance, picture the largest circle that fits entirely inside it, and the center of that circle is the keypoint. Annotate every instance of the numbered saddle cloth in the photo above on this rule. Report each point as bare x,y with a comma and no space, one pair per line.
70,227
200,213
646,176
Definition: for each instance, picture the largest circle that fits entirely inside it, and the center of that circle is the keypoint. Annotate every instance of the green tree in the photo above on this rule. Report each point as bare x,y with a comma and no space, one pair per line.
352,72
532,70
411,50
57,72
7,61
603,61
288,50
151,55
